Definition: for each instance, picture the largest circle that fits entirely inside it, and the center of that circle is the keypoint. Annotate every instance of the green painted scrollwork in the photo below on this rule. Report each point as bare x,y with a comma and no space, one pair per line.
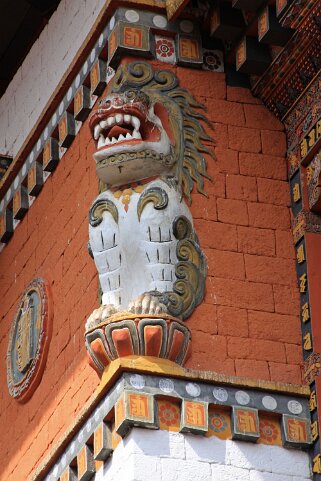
156,195
188,289
97,210
139,74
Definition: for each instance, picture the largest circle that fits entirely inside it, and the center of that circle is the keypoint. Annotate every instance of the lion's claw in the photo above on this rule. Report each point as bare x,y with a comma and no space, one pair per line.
147,304
99,315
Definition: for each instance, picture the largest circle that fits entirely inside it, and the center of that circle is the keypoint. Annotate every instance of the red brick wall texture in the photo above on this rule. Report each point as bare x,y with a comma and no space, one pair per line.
248,324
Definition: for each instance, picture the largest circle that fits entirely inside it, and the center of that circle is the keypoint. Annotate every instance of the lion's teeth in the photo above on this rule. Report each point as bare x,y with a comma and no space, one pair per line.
119,118
110,121
97,131
136,134
101,141
135,122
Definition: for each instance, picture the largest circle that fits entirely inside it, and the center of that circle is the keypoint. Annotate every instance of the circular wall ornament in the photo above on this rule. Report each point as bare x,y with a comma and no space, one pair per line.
193,389
242,398
160,21
29,341
137,381
166,385
186,26
269,402
112,23
220,394
295,407
132,16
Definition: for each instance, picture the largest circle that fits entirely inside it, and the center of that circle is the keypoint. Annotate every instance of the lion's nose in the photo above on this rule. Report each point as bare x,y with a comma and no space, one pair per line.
118,101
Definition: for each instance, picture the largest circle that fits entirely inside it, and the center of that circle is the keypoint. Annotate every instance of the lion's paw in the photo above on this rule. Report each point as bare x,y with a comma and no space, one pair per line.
99,315
147,304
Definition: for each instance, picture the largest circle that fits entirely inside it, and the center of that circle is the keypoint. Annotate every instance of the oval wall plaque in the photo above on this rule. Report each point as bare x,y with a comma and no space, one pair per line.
29,341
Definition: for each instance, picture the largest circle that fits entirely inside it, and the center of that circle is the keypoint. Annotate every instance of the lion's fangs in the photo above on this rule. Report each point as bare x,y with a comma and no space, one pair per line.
102,129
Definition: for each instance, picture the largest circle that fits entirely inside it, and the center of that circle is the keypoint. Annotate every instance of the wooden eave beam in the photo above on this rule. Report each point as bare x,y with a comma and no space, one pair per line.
248,5
226,23
270,31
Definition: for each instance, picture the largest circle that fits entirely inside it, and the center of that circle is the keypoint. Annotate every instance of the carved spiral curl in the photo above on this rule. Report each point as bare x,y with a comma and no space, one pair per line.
189,251
188,290
156,195
187,271
136,74
139,74
182,227
165,79
97,210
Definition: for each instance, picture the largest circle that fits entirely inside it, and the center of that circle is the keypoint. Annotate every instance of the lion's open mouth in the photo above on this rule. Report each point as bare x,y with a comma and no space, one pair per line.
122,127
128,135
117,128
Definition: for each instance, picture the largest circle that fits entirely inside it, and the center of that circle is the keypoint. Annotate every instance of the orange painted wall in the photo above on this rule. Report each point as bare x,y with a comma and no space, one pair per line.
248,324
251,309
51,242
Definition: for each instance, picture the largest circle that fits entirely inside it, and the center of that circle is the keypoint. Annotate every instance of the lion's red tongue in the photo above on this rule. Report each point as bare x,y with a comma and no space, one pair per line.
116,130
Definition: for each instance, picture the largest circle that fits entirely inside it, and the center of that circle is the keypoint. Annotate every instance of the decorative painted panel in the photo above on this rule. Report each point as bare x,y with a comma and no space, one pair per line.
205,408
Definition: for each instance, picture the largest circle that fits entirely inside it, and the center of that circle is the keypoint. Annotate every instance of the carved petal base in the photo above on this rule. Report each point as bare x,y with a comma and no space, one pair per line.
137,334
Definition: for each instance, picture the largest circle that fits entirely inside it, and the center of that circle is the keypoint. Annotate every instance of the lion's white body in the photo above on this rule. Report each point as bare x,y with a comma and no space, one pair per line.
136,255
142,238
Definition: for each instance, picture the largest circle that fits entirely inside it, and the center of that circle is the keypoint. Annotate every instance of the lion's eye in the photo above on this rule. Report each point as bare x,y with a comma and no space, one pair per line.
105,103
131,94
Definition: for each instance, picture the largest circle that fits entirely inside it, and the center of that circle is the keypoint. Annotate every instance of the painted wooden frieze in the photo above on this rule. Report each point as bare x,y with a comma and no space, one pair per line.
210,409
149,154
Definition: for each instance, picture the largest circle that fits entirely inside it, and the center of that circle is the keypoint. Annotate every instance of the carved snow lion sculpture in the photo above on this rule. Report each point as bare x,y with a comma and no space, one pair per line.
149,155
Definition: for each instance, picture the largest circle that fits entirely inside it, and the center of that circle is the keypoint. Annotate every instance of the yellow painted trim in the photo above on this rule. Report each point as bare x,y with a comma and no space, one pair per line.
174,8
162,367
